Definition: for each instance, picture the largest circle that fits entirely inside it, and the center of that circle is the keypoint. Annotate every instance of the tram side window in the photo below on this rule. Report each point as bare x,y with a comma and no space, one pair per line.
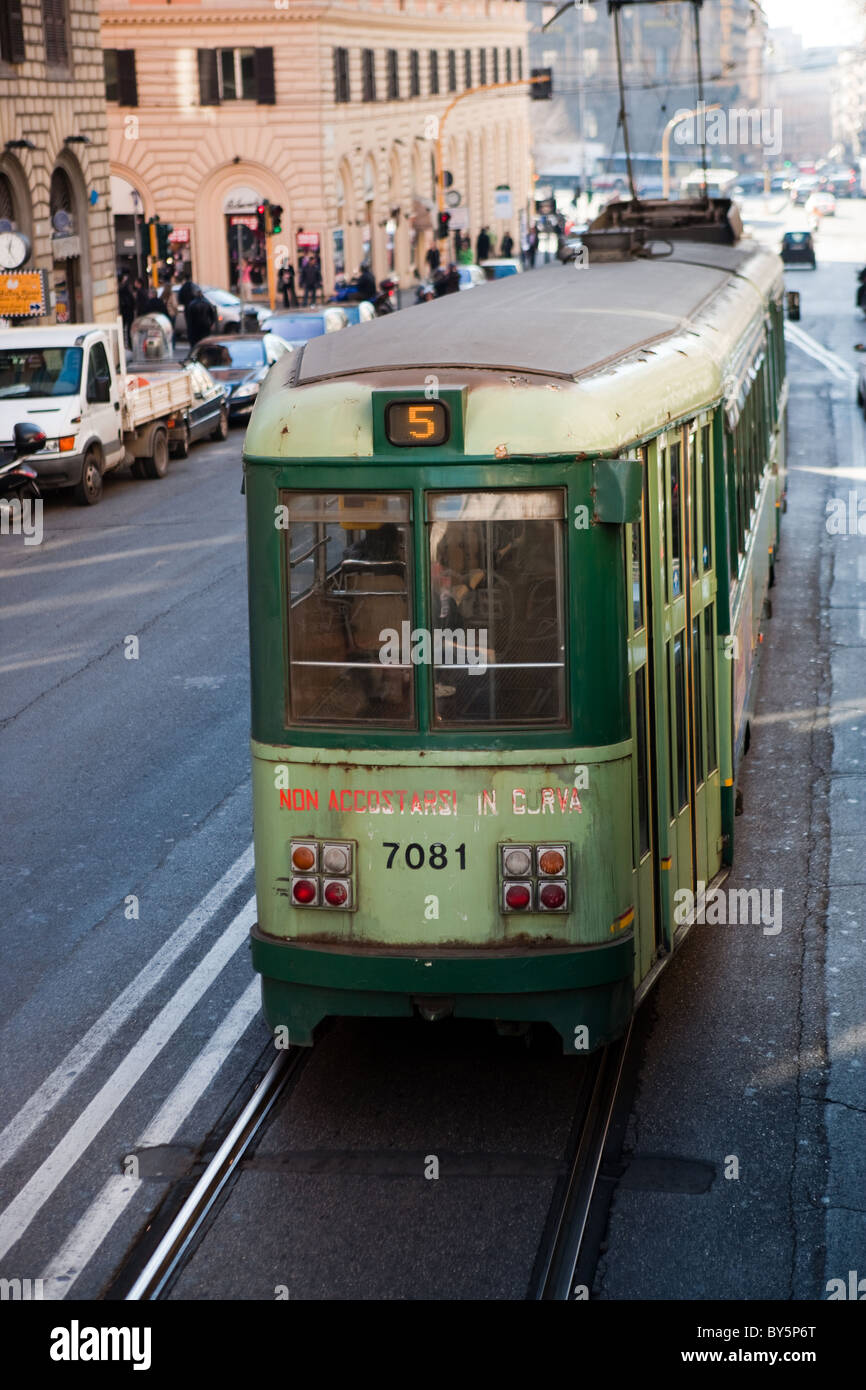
349,578
676,520
706,484
710,676
680,687
637,576
497,589
698,700
643,834
693,501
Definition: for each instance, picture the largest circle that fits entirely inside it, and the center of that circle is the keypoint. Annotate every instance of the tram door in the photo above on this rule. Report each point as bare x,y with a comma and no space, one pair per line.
680,861
644,790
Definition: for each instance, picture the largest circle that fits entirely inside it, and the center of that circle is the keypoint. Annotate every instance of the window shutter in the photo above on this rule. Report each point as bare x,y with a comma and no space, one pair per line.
208,82
12,32
54,25
127,87
264,65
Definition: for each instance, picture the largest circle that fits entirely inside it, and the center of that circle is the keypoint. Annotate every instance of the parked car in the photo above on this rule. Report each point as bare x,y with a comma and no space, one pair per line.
298,326
359,313
208,416
802,188
470,276
798,248
749,185
240,363
780,183
821,204
500,267
230,311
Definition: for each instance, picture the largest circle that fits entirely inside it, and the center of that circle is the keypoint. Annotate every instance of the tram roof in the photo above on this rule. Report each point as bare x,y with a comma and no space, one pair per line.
558,321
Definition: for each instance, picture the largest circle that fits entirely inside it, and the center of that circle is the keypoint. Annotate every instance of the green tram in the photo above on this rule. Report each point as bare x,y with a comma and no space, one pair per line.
508,562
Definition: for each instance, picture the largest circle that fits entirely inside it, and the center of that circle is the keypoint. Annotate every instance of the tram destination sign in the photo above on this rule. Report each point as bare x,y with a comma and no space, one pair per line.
413,423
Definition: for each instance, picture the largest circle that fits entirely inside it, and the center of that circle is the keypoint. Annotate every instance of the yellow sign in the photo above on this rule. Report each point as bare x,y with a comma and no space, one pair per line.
23,294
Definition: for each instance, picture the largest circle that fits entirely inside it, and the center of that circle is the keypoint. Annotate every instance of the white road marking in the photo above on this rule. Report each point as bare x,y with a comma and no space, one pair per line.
806,343
54,1087
107,1208
27,1203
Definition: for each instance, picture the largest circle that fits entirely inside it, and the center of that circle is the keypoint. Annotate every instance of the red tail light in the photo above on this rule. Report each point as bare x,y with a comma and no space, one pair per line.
336,893
553,896
518,896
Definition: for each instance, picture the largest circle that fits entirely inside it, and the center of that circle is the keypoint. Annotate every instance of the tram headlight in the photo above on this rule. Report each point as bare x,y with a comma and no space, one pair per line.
338,892
553,897
517,897
551,860
305,891
516,860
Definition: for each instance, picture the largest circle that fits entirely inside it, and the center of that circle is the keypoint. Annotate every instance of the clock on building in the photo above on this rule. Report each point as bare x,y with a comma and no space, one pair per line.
14,250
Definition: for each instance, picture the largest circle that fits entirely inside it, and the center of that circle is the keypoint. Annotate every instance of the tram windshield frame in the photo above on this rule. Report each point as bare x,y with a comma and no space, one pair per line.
377,584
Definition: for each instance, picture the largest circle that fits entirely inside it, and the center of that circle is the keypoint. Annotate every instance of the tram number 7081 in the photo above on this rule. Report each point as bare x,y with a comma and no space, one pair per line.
415,856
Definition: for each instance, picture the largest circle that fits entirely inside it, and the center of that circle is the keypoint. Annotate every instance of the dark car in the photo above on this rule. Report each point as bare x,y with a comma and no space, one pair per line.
206,418
240,363
798,248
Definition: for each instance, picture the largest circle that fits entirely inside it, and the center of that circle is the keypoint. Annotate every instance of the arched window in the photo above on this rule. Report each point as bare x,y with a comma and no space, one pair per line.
62,199
7,200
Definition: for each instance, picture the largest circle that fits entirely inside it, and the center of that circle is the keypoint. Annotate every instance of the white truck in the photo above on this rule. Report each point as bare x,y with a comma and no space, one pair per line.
71,381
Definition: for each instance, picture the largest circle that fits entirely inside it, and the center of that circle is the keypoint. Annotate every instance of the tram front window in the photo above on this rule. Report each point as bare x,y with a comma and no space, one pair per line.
349,580
497,599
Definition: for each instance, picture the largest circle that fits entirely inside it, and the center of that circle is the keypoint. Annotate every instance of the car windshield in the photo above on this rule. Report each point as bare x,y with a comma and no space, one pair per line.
34,372
297,328
231,353
796,238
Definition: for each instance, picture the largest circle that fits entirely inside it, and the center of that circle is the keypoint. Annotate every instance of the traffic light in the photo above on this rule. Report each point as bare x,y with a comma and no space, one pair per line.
276,219
541,84
163,232
442,226
262,216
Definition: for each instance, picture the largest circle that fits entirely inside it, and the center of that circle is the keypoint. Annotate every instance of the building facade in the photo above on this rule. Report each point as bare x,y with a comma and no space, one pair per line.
54,178
329,111
581,126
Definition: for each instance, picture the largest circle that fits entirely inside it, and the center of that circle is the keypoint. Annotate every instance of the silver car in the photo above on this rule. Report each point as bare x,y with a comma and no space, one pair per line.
230,311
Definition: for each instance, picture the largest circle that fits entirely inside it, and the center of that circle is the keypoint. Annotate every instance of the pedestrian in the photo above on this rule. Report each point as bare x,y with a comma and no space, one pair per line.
507,245
200,317
365,283
287,285
168,299
433,258
532,246
482,246
140,296
311,280
187,289
452,280
126,302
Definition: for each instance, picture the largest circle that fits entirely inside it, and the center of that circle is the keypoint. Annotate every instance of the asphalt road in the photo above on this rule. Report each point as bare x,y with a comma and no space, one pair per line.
130,1016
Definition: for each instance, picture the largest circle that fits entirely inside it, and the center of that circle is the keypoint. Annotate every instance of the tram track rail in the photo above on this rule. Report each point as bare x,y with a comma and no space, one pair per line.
177,1242
563,1260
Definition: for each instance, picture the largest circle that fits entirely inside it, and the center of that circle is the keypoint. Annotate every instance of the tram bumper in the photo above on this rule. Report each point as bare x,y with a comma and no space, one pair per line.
585,993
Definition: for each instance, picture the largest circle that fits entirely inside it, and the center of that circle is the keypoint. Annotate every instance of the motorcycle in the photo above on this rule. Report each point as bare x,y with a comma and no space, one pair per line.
384,301
18,479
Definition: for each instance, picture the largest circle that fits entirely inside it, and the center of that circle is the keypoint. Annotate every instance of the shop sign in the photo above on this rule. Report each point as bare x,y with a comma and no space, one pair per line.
23,294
